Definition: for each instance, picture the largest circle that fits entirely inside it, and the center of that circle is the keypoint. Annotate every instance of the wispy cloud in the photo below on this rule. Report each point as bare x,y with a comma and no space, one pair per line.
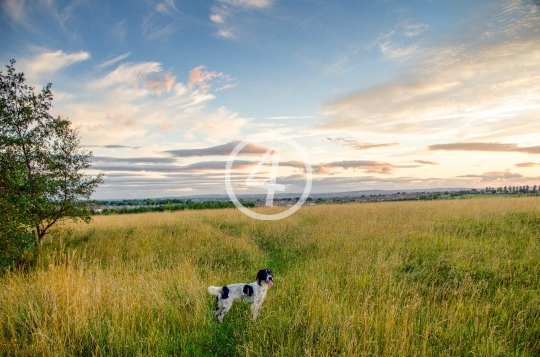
338,66
502,176
527,164
293,117
159,83
150,74
357,145
199,78
111,146
166,7
224,12
411,30
397,43
157,167
162,21
247,3
137,102
425,162
129,73
328,168
14,8
367,166
220,150
463,88
53,61
132,160
226,86
114,60
493,147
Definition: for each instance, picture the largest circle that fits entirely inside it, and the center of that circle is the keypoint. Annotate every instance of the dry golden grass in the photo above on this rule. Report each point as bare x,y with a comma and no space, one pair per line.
455,278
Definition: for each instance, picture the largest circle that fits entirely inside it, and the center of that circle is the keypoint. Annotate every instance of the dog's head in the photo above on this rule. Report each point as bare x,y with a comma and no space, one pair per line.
266,276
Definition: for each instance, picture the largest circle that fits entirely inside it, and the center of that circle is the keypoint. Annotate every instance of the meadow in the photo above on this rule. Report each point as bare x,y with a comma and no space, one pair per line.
429,278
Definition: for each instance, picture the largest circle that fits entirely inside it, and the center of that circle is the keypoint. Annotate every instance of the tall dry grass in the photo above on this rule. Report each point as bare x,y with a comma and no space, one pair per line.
455,278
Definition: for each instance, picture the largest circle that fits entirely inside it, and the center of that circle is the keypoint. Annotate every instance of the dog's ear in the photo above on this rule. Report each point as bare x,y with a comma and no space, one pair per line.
261,275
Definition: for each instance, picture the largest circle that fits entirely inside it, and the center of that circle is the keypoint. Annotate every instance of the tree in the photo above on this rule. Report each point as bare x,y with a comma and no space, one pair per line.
42,177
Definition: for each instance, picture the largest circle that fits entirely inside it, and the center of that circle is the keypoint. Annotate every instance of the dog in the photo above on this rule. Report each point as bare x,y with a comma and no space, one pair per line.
253,293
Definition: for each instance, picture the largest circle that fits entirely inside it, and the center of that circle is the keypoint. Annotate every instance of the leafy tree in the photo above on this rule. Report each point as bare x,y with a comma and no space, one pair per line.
42,177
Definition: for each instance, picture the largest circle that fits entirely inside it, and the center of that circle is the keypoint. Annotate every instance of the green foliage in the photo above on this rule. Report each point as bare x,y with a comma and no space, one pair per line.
41,177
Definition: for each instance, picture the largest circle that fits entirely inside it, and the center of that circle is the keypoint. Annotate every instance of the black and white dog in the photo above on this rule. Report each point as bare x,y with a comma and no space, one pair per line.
254,293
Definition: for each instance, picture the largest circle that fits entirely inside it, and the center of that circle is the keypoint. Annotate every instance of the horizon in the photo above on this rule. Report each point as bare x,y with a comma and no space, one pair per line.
281,196
381,96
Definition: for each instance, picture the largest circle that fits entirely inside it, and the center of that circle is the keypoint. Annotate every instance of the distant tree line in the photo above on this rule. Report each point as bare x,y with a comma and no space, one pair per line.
157,205
513,189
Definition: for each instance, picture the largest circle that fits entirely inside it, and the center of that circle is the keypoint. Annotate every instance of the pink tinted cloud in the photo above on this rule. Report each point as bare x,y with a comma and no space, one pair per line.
119,120
160,82
199,76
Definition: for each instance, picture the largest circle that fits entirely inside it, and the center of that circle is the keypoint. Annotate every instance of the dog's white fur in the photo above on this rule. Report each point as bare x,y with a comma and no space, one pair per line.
255,295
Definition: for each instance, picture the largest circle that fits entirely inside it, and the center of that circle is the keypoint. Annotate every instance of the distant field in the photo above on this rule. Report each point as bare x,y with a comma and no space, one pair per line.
431,278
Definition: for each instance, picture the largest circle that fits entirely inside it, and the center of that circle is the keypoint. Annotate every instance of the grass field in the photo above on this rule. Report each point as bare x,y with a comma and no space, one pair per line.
433,278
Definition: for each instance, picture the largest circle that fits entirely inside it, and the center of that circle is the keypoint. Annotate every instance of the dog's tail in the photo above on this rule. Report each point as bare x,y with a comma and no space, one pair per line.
215,290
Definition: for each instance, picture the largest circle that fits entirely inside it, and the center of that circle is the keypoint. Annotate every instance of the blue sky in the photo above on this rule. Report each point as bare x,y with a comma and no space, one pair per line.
380,94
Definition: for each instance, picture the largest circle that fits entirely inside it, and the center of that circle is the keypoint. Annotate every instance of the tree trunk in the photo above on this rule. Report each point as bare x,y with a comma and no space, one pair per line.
39,235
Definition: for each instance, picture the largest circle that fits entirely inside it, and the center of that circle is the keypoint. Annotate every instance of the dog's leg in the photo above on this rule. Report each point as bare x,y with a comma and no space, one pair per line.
255,310
218,309
224,308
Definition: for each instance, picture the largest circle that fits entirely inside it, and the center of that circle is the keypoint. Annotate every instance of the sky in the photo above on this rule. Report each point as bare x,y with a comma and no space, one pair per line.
381,94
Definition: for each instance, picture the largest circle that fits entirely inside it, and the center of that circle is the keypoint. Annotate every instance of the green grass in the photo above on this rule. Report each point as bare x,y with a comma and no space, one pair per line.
433,278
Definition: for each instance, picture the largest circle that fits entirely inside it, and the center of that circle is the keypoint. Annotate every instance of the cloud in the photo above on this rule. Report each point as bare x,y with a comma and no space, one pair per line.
129,73
199,76
220,150
114,60
120,121
223,10
226,86
111,146
396,45
14,8
411,30
357,145
424,162
165,127
132,160
53,61
217,18
225,33
137,102
338,66
493,147
167,7
162,21
300,117
161,82
147,74
462,86
157,167
368,166
393,50
495,176
527,164
247,3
